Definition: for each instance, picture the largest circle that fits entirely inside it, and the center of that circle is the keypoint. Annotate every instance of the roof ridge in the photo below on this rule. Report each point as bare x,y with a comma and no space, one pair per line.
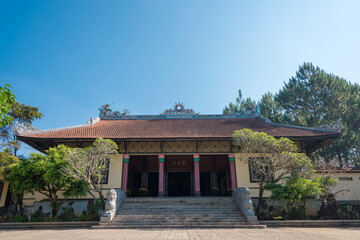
319,129
36,131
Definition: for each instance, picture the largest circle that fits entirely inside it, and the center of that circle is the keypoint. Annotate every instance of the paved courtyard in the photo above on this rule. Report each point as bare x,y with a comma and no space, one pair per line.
134,234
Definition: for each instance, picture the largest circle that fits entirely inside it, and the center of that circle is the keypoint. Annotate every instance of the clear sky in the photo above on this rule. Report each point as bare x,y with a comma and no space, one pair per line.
70,57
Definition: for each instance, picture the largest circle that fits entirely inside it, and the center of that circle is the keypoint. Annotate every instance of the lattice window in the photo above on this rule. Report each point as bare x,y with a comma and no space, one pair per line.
179,147
345,178
254,175
143,147
86,144
121,147
214,146
71,144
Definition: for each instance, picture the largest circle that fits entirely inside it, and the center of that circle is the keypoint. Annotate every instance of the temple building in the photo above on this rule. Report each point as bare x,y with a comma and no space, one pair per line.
176,153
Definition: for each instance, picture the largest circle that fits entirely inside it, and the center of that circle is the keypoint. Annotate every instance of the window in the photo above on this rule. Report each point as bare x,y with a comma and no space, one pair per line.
345,178
1,188
105,178
254,175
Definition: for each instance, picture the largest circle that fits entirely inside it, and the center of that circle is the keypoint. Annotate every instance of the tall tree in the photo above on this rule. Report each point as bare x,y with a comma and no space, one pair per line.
91,164
270,108
241,105
7,98
276,158
314,98
21,117
6,159
42,173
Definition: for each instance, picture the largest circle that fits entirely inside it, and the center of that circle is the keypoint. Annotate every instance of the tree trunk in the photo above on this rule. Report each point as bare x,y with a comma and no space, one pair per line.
261,193
102,199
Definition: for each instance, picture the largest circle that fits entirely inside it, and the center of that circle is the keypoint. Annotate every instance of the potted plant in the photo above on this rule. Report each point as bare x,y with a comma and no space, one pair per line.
214,192
143,192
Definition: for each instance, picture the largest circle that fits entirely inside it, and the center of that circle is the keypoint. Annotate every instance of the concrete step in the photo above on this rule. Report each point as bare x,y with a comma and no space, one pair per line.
167,221
181,200
159,209
182,215
220,218
117,226
179,212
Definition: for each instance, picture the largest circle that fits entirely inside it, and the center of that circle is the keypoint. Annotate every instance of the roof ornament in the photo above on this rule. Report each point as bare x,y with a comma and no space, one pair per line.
179,109
105,110
23,127
334,126
253,109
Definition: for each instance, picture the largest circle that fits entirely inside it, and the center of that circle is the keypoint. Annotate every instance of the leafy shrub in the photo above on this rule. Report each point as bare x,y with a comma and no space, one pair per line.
36,217
129,193
81,217
214,192
20,218
96,208
68,213
295,190
228,192
143,192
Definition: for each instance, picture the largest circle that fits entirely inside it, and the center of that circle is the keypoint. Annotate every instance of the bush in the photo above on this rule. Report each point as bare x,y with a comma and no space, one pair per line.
96,208
81,217
68,213
143,192
36,217
228,192
20,218
214,192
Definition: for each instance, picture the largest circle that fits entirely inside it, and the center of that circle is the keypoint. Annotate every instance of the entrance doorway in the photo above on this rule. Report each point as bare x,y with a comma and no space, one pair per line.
205,183
179,184
222,183
153,184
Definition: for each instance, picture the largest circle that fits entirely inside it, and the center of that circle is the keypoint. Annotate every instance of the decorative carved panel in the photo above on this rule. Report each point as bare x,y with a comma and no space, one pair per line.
71,144
179,147
179,163
214,146
143,147
121,147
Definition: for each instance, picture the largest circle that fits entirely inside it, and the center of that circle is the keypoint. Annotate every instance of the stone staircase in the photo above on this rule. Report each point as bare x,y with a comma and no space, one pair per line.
179,212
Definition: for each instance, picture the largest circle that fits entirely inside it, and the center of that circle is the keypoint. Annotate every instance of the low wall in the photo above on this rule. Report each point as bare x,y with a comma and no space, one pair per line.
79,206
312,205
311,223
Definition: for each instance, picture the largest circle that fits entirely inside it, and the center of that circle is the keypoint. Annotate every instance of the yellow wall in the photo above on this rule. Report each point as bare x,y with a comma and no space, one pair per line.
352,187
3,194
114,181
243,175
243,180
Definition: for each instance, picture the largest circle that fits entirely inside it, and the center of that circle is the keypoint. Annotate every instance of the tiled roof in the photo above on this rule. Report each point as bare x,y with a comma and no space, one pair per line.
178,128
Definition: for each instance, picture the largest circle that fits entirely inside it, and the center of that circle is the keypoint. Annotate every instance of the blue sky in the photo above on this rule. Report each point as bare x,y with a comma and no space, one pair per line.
70,57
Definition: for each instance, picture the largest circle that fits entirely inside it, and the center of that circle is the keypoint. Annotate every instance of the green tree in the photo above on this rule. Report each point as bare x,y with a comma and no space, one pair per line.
42,173
269,108
240,106
295,190
91,164
276,158
314,98
21,117
6,159
7,98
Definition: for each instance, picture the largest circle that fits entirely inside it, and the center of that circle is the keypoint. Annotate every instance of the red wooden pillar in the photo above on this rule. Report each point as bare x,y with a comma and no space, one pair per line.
197,175
125,172
161,192
232,171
